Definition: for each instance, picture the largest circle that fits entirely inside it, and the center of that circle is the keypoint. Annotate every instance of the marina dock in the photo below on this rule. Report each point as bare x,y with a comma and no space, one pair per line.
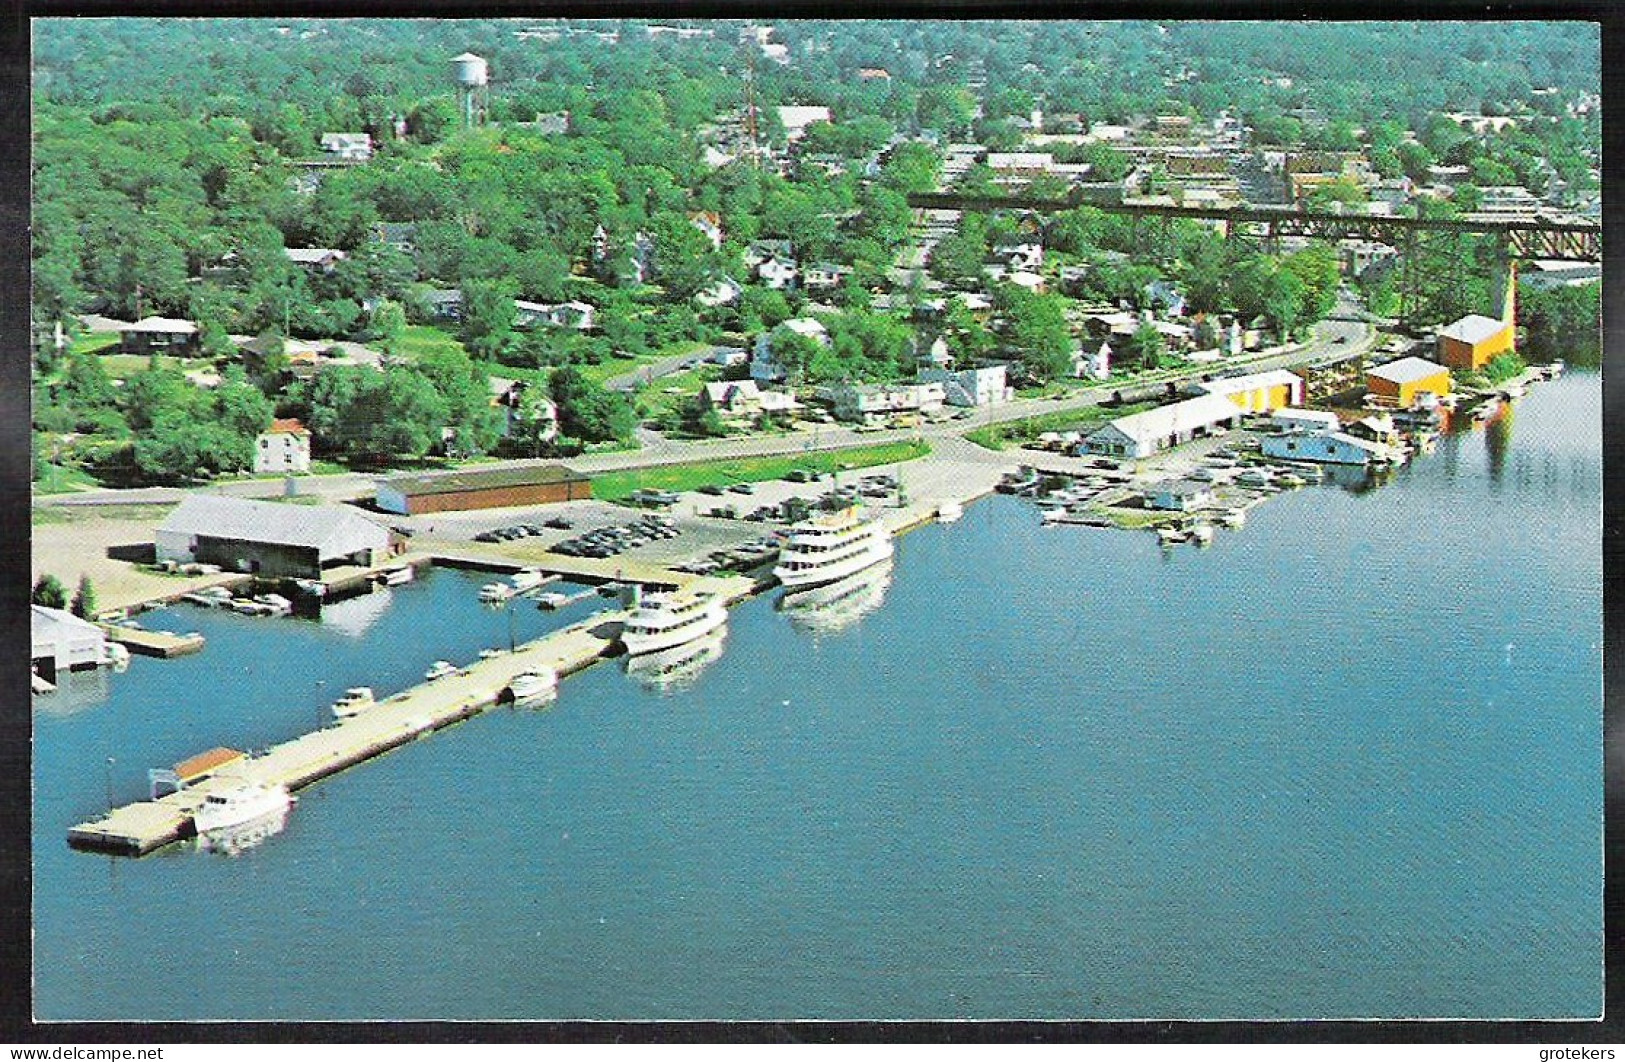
139,828
163,644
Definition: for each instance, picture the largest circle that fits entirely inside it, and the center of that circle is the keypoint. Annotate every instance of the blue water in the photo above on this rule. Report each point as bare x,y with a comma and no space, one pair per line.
1346,762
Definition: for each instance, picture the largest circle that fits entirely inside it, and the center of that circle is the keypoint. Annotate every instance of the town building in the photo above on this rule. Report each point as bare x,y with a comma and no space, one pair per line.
1311,421
283,447
62,641
348,147
492,488
580,316
765,368
984,386
796,120
1332,447
1407,383
1471,342
875,403
159,335
1095,365
1144,434
269,538
1259,392
1179,495
325,259
739,401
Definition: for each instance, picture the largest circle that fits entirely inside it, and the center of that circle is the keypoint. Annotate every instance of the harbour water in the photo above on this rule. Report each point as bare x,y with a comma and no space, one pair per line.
1344,763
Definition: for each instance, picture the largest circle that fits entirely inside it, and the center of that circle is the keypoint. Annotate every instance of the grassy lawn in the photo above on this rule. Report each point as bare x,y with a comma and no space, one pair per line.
72,514
613,486
61,479
1016,432
124,366
689,382
92,342
417,340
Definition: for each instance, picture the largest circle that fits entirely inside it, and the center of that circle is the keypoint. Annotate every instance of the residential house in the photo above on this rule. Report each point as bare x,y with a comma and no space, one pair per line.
445,304
1144,434
283,447
401,235
556,123
728,357
764,368
159,335
875,403
723,292
580,316
348,147
325,259
741,400
825,275
983,386
709,222
936,355
1020,163
1020,253
1092,365
778,273
796,120
510,397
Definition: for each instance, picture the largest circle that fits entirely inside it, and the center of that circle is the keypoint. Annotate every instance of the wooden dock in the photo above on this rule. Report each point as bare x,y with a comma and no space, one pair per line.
164,644
138,828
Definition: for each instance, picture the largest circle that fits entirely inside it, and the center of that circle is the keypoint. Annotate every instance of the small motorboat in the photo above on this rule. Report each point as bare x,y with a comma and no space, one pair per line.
1201,534
496,592
533,685
949,511
440,669
355,700
398,576
231,807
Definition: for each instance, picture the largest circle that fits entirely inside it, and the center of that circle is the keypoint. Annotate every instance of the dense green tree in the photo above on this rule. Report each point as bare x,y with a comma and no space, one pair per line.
1036,328
587,410
84,599
1146,348
49,591
488,316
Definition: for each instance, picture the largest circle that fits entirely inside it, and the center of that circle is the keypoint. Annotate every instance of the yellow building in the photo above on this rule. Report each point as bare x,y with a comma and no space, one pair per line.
1401,384
1259,392
1472,341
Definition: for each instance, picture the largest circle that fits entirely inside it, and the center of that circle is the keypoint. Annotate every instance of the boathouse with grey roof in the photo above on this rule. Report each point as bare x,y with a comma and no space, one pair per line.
270,539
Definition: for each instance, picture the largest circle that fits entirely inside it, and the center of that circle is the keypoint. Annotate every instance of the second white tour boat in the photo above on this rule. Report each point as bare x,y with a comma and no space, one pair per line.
661,621
830,547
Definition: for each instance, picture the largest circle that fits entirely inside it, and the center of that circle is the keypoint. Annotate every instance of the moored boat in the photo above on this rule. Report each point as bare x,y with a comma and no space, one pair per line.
678,665
533,685
496,592
440,669
949,511
527,579
355,700
830,547
661,621
398,576
231,807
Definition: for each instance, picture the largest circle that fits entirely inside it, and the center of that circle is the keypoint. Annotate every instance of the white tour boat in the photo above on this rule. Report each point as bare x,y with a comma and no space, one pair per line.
355,699
830,547
676,666
662,621
231,807
832,607
533,685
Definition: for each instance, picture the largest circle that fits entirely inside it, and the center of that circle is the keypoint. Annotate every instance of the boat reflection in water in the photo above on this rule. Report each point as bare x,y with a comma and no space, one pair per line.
240,837
836,606
679,666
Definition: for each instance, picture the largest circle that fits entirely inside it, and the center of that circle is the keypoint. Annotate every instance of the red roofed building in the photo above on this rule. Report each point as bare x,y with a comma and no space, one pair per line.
283,447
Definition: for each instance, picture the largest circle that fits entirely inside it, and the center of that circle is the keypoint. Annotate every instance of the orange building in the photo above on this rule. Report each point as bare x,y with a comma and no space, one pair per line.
1401,384
1472,341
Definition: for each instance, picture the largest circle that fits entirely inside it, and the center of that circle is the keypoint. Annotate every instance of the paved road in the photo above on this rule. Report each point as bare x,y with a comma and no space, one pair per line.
1334,340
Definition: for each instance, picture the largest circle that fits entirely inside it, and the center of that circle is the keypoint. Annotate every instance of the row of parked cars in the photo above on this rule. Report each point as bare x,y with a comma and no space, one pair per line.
756,552
609,541
508,534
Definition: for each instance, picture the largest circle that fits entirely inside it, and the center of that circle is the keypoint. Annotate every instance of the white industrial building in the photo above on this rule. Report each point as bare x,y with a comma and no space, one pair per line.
64,642
1143,434
269,538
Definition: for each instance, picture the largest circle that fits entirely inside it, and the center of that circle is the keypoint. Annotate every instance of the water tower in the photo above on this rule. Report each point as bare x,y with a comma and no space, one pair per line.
472,77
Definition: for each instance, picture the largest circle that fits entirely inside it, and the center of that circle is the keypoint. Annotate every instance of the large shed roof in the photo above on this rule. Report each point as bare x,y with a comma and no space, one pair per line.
1199,412
333,530
1407,370
1474,328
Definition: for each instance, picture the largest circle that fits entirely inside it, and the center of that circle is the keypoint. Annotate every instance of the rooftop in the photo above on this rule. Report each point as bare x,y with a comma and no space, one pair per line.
1407,370
327,528
168,325
483,479
1474,328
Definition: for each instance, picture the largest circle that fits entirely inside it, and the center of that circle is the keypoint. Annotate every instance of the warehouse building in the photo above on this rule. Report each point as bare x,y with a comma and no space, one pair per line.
1143,434
1471,342
64,642
270,539
492,488
1404,384
1259,392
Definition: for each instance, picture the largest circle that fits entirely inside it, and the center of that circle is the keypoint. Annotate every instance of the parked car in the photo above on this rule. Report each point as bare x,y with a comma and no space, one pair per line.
712,489
742,488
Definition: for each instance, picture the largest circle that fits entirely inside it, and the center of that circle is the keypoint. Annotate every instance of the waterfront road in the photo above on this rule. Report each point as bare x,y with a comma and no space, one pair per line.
1333,340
